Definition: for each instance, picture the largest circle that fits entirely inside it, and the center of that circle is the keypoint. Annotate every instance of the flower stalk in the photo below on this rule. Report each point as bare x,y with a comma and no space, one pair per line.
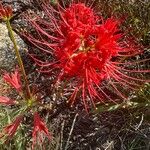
20,62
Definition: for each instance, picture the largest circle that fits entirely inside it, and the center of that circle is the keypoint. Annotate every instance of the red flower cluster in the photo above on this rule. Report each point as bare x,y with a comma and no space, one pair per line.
88,50
10,130
6,100
5,12
39,127
13,80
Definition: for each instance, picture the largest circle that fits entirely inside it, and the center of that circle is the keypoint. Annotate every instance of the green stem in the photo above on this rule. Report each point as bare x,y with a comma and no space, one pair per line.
129,105
28,93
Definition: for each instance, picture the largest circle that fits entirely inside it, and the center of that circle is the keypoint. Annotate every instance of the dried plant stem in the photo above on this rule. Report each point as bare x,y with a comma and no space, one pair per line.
72,127
20,62
61,135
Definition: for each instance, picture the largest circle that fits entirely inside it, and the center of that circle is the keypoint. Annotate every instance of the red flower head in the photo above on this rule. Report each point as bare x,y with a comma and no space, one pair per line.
88,51
5,12
6,101
10,130
13,80
39,127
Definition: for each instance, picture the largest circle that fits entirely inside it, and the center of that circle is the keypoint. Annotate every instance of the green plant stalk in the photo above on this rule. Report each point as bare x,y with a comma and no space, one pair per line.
129,105
28,92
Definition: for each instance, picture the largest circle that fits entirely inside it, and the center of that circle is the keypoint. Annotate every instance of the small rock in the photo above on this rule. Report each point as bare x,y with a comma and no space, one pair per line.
7,52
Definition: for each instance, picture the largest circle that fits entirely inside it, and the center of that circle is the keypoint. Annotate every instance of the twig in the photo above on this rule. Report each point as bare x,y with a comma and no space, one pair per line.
72,127
61,135
140,123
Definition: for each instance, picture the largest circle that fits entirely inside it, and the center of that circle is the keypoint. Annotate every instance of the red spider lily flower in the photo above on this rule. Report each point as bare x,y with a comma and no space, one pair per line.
39,127
10,130
6,100
13,80
88,51
5,12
